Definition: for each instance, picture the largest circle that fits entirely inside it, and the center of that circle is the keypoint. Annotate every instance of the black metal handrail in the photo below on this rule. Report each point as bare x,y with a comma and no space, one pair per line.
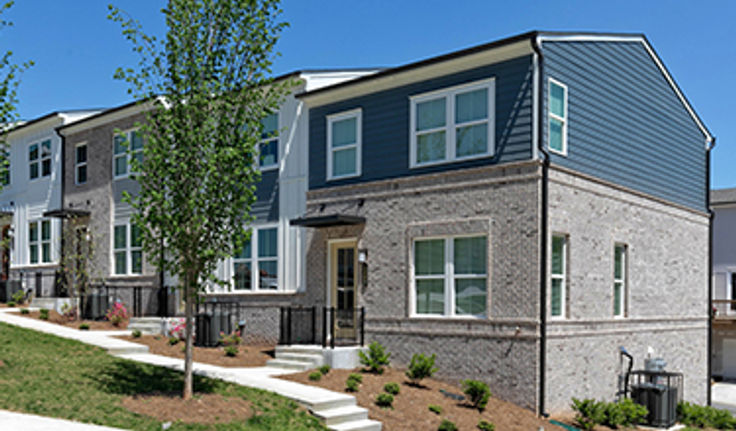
304,325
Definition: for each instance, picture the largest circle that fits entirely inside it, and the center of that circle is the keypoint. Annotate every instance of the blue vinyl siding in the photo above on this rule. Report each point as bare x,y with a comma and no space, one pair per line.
266,206
385,146
626,124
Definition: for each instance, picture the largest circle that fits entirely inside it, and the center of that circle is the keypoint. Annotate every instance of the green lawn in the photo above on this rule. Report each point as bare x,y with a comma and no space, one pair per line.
51,376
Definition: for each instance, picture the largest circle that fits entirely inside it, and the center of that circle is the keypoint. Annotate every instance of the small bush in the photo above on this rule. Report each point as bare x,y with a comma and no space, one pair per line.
633,413
434,408
376,359
19,297
315,376
136,333
704,416
351,385
232,339
68,312
231,351
486,426
589,413
84,327
25,311
117,314
613,416
384,400
324,369
478,393
392,388
173,341
43,314
10,304
421,367
447,425
355,376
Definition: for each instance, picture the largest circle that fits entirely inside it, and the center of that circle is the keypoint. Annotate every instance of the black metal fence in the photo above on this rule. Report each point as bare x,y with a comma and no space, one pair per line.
141,301
216,318
325,326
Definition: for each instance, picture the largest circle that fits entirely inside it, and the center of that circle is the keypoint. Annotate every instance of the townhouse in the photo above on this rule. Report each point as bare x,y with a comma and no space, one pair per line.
723,350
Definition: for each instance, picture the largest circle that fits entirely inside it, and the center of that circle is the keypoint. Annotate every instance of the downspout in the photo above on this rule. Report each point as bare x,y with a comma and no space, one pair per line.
536,45
708,148
62,220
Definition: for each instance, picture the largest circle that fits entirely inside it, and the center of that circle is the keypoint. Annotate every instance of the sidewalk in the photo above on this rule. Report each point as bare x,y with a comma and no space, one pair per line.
724,396
329,405
11,421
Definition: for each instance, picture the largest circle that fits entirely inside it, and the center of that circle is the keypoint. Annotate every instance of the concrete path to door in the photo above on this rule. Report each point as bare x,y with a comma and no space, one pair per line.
12,421
339,412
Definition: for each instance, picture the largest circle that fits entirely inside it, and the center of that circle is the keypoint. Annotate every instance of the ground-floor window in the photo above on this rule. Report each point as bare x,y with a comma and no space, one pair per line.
558,288
39,241
450,276
619,280
127,249
256,265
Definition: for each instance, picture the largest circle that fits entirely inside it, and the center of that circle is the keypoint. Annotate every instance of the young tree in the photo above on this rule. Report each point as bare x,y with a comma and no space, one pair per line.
208,88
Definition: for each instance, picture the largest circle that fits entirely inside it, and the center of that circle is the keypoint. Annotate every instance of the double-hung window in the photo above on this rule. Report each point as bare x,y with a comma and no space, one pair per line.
269,145
39,159
344,131
127,249
619,280
122,154
450,276
558,276
453,124
80,164
39,241
557,117
257,266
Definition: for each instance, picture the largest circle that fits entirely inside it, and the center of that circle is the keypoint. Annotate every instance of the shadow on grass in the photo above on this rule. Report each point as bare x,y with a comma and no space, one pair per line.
130,378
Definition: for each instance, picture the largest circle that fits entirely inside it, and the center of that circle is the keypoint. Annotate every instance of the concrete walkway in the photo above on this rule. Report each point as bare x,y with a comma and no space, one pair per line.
723,396
338,411
11,421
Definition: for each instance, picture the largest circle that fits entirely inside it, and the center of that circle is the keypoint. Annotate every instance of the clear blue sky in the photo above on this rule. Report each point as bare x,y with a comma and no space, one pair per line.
76,49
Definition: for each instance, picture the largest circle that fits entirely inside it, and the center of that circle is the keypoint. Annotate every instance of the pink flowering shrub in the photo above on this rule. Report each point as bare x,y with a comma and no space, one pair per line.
177,328
232,339
117,314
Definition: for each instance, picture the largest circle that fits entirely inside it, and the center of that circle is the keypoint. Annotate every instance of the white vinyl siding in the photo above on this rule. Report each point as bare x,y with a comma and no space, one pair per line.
39,242
127,249
619,280
344,131
122,154
557,117
257,266
558,277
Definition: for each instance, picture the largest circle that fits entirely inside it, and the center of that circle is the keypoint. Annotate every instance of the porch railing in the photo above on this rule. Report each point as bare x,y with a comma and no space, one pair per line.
140,301
214,318
325,326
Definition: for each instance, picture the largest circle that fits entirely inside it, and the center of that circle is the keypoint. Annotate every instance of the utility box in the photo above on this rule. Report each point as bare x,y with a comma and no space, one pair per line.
8,289
95,306
659,392
209,326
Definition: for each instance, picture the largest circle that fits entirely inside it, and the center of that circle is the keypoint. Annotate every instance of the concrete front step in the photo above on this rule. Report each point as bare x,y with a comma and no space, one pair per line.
127,350
305,349
290,365
147,325
362,425
341,415
313,360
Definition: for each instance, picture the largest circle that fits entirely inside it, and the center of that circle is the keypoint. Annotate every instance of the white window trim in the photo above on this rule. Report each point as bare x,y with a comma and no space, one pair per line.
78,165
563,277
40,242
254,263
40,159
358,115
450,127
622,280
449,279
128,153
276,138
556,117
129,249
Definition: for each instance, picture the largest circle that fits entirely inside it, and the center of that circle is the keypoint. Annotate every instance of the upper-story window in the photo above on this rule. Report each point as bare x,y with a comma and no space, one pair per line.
39,246
39,159
453,124
80,164
257,266
121,155
269,145
344,131
127,249
557,117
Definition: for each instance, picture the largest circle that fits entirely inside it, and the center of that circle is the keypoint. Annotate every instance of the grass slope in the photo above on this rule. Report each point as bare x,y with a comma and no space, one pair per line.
50,376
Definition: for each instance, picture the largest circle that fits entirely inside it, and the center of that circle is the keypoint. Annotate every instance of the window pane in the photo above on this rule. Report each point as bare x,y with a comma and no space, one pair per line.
431,114
557,100
33,231
618,267
33,152
343,162
45,230
120,237
136,240
121,166
344,132
267,274
558,250
269,152
470,297
471,140
556,299
34,170
267,242
242,277
45,167
245,252
120,262
45,148
119,148
471,106
81,154
136,140
270,126
33,249
431,147
470,255
429,257
555,134
45,252
138,155
82,174
430,296
136,258
617,288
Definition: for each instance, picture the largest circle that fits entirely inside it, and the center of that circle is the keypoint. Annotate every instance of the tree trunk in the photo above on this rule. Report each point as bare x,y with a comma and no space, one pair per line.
189,311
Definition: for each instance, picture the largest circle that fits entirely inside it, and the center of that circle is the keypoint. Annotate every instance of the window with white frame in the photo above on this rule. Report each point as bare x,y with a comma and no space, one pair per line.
122,154
39,241
558,276
257,266
557,117
619,280
269,145
39,159
453,124
344,133
450,276
80,164
127,249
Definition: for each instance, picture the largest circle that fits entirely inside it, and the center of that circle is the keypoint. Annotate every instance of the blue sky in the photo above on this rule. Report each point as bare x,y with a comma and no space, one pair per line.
76,49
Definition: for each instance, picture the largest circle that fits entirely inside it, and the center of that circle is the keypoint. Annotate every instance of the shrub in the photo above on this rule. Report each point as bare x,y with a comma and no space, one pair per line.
232,339
478,393
392,388
421,367
613,415
434,408
25,311
351,385
19,297
173,341
384,400
324,369
703,416
177,328
589,413
376,358
136,333
315,376
10,304
69,312
84,327
355,376
633,413
447,425
43,314
117,314
486,426
231,351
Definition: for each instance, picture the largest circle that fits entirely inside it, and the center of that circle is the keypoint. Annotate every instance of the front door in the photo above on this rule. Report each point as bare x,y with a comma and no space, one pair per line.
343,284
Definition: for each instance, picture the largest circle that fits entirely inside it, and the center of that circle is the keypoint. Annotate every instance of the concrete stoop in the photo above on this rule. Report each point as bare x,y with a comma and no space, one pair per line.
147,325
51,303
343,414
300,358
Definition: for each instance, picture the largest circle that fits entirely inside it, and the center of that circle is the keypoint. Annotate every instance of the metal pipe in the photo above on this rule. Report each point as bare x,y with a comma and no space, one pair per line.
709,361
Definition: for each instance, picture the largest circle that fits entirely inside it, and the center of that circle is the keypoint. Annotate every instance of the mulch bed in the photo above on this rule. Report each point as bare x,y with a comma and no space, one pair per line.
94,325
202,408
248,355
410,407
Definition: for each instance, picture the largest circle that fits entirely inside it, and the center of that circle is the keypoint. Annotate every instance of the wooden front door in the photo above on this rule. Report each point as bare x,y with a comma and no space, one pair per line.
343,287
